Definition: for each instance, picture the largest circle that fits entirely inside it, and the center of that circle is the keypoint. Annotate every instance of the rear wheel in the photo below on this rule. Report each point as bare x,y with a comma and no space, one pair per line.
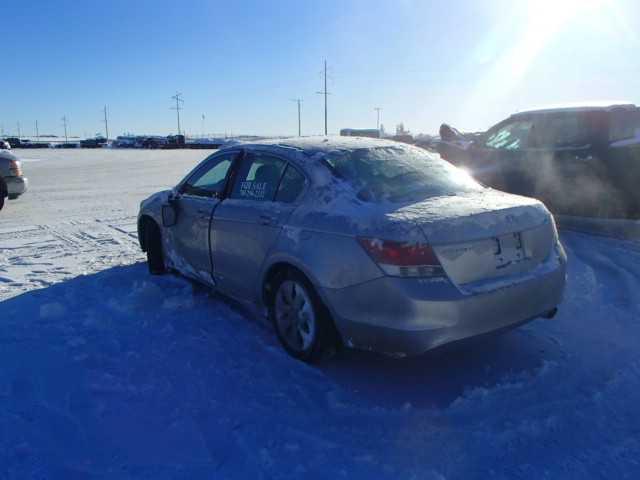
153,244
301,321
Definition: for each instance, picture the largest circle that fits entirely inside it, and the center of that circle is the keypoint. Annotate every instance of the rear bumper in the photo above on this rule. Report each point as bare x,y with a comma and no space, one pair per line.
16,185
408,316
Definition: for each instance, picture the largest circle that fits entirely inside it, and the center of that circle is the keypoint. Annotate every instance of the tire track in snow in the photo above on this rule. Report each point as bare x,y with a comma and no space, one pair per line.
615,270
39,255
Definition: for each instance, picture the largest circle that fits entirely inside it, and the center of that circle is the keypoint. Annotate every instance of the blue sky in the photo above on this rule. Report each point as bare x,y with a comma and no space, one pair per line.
239,63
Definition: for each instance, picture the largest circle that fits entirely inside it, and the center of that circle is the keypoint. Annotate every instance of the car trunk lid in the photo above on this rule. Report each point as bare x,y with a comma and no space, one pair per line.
484,235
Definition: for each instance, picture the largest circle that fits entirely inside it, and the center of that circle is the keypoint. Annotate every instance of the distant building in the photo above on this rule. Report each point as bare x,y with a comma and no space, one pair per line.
402,135
360,132
404,138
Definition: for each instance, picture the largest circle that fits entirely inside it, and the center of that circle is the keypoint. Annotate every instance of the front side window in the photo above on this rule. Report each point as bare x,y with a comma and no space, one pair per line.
512,136
209,181
258,177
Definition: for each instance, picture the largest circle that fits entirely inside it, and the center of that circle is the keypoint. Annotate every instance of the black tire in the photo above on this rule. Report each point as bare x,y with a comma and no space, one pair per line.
13,197
3,192
153,244
325,337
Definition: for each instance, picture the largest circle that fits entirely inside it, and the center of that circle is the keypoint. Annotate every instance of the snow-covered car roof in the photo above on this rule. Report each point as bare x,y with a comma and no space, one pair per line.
580,107
320,143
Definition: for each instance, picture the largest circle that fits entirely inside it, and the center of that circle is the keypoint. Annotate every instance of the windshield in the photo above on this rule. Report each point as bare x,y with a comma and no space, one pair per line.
512,136
397,174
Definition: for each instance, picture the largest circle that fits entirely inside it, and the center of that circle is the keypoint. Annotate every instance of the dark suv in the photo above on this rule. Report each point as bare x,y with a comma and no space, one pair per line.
582,161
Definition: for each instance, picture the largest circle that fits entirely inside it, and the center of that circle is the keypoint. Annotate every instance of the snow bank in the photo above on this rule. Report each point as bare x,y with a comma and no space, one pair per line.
154,377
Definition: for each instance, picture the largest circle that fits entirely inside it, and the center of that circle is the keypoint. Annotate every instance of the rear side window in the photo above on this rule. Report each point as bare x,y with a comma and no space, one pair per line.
625,124
561,131
258,177
291,186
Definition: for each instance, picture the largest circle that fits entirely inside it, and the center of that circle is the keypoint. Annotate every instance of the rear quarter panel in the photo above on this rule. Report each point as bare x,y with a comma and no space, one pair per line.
329,260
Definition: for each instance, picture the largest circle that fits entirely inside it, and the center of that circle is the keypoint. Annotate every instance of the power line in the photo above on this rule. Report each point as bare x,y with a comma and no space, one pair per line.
378,109
298,101
325,93
106,122
179,101
64,123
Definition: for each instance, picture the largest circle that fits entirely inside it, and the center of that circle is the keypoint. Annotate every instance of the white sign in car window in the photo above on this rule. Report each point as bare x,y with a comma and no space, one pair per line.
253,190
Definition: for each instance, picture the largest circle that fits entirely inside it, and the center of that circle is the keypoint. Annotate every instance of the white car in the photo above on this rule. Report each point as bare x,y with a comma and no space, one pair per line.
12,182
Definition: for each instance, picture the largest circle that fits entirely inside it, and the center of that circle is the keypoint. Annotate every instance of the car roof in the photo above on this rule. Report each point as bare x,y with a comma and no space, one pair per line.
311,145
580,107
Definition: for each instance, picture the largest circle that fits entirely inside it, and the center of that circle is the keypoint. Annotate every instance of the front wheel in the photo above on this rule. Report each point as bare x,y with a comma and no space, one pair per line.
301,321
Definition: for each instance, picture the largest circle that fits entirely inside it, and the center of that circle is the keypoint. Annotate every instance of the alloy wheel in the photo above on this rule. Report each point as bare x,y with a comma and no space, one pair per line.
295,316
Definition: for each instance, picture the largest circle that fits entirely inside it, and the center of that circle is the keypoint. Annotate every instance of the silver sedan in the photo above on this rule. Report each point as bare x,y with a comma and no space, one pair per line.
358,242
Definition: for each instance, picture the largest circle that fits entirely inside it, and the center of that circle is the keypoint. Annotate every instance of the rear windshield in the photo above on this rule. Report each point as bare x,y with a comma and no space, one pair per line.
399,175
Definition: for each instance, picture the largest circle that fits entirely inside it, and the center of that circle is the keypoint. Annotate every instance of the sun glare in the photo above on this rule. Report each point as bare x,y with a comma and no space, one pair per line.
542,21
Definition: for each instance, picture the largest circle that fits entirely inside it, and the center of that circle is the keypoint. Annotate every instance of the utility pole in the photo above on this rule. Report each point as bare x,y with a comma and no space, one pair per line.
325,93
179,101
298,101
37,133
64,122
106,122
19,135
202,126
377,109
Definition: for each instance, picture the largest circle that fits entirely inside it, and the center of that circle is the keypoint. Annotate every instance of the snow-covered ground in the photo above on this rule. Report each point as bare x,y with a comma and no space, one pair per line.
107,372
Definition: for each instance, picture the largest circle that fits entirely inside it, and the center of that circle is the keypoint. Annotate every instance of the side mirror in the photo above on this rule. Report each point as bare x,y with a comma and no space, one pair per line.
169,215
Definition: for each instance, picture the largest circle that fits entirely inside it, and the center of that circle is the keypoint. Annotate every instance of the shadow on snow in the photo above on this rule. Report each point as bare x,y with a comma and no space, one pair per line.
123,309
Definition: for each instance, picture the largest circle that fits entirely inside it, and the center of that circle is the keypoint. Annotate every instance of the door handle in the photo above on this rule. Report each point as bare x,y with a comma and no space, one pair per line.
266,219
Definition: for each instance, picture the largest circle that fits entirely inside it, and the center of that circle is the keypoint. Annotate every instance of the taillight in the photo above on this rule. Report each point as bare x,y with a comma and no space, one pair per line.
14,167
403,259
